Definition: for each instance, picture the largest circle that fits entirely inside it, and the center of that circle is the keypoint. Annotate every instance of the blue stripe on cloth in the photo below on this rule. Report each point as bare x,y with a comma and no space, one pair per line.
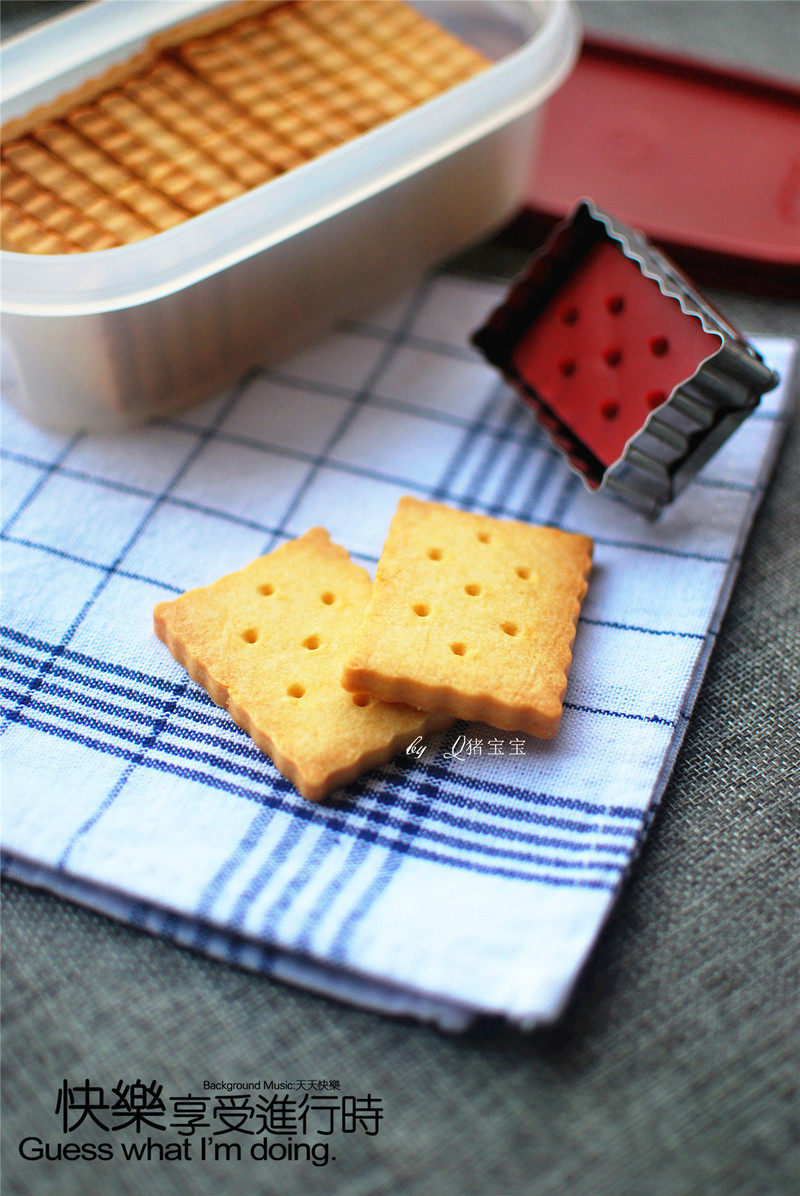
324,844
358,912
94,703
62,553
247,845
442,488
48,468
27,699
108,667
357,401
522,511
541,480
280,785
281,851
146,744
439,812
515,469
440,798
414,340
564,498
236,739
356,857
482,469
438,794
226,947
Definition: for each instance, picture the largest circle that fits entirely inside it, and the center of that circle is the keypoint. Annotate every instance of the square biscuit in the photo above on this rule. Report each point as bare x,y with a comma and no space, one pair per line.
269,643
473,617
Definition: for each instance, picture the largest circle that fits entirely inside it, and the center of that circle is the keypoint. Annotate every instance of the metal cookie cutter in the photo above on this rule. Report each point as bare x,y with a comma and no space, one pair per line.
636,378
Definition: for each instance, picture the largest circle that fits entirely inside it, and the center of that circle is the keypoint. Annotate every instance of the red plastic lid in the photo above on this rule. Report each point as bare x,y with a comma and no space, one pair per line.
704,160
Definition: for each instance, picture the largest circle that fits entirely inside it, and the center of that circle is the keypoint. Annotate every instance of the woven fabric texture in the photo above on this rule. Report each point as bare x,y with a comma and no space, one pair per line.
128,790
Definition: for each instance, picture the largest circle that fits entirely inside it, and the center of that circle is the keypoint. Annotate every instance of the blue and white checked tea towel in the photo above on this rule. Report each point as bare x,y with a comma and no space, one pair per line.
474,878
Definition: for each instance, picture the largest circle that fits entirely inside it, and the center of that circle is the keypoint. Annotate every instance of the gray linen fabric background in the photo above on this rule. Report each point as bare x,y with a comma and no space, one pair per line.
675,1067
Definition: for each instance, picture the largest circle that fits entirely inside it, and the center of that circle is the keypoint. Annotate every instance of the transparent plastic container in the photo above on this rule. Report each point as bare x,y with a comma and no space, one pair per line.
103,339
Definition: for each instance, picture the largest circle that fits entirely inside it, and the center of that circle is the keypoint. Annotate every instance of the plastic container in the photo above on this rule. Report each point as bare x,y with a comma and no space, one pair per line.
109,338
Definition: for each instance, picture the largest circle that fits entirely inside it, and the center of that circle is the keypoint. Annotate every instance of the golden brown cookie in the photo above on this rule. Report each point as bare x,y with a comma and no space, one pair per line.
472,617
269,643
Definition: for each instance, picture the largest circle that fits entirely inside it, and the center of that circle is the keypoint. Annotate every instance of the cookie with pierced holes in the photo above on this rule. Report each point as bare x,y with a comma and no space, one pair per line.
472,617
269,644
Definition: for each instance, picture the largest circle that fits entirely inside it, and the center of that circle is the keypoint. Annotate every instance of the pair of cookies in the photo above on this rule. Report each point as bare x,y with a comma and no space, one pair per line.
469,617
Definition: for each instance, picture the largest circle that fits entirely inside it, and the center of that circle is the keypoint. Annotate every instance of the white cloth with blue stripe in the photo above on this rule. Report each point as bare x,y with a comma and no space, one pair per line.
473,879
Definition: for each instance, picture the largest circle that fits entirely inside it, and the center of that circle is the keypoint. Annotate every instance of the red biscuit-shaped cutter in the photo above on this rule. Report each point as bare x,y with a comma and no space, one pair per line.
637,380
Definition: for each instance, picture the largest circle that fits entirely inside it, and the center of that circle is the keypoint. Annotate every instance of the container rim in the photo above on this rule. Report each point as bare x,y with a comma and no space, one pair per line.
170,261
